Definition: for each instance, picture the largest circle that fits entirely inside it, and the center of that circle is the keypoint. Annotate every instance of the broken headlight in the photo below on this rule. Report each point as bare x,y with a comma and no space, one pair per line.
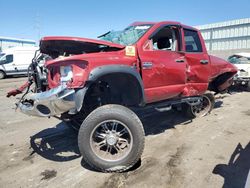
66,73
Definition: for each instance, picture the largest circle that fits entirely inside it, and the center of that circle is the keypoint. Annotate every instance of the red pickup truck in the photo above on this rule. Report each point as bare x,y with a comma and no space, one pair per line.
99,84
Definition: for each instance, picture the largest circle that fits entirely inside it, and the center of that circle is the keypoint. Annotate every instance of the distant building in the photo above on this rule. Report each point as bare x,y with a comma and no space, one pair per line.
7,42
225,38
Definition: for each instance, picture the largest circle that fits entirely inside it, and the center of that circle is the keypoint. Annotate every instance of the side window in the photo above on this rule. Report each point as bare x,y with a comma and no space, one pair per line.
9,58
192,41
6,59
166,39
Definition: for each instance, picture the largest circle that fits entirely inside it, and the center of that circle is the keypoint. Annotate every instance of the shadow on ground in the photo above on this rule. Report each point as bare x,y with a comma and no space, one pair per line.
60,142
57,144
236,171
155,122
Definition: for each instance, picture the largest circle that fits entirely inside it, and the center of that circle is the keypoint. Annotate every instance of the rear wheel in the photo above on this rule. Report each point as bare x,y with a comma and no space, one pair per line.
111,138
206,105
2,75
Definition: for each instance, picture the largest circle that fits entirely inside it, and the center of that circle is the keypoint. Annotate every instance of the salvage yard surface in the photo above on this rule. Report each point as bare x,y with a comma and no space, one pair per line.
207,152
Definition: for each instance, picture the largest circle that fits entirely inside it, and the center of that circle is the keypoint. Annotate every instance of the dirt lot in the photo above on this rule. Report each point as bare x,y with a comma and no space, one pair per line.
208,152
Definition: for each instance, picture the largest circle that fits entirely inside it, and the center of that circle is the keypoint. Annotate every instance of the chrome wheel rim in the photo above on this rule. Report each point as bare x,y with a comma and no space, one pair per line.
203,108
111,140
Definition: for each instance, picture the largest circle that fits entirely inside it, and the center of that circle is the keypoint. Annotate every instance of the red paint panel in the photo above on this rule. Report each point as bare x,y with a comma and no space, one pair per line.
162,93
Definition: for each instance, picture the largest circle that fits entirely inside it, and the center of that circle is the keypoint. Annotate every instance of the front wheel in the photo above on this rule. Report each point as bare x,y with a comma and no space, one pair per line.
2,75
111,138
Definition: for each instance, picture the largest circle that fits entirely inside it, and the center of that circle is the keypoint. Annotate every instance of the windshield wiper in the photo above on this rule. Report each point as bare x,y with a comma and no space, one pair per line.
103,35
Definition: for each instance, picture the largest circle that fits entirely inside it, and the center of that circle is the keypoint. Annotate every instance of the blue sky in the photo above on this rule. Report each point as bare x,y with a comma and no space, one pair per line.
85,18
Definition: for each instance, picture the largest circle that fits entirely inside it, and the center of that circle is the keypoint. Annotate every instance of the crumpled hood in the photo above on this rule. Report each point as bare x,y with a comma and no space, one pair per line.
57,45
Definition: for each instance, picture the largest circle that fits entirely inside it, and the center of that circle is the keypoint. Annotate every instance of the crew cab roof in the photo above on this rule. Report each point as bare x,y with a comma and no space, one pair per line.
163,23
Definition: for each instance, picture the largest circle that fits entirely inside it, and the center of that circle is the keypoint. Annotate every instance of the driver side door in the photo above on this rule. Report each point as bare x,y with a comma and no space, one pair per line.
163,67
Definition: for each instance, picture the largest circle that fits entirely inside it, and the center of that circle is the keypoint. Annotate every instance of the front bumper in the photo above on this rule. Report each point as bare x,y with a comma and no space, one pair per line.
49,103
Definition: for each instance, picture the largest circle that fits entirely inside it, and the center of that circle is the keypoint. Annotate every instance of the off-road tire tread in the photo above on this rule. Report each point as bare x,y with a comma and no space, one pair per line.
92,116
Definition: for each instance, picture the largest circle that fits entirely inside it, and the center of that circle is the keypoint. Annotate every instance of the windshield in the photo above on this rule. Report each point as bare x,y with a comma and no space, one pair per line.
128,36
239,60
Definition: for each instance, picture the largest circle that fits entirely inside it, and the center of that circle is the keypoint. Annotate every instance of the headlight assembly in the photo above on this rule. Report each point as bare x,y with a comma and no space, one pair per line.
66,73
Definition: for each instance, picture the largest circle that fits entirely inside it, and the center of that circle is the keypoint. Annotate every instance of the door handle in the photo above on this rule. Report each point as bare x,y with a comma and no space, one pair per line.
179,60
204,61
147,65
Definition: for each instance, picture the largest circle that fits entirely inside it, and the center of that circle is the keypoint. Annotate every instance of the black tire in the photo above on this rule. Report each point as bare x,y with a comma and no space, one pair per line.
248,86
2,75
105,115
189,110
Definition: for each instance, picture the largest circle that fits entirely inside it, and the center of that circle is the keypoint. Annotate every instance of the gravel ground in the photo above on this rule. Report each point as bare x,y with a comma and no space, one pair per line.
213,151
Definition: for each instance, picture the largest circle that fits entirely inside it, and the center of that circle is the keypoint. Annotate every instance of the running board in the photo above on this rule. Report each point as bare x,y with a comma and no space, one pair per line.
167,105
164,109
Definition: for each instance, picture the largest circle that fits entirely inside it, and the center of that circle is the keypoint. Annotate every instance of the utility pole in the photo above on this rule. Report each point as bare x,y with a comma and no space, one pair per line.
37,26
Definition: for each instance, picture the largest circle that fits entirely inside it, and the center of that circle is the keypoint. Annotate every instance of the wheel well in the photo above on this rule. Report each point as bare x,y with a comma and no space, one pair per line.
115,88
213,86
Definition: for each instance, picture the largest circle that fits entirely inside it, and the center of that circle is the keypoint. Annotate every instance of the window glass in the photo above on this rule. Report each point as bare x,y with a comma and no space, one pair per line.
239,60
166,39
9,58
192,41
128,36
6,59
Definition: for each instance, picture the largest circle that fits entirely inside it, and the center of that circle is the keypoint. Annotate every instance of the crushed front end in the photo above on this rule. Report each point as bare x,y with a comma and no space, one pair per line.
47,94
53,89
58,75
49,103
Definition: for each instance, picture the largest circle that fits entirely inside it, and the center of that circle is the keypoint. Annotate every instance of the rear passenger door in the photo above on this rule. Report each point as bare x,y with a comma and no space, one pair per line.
198,65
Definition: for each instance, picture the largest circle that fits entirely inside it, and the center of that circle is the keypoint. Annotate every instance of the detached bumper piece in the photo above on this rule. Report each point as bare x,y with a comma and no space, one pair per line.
49,103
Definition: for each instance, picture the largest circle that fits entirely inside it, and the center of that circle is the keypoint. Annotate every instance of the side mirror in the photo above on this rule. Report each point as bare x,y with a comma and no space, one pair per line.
2,61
